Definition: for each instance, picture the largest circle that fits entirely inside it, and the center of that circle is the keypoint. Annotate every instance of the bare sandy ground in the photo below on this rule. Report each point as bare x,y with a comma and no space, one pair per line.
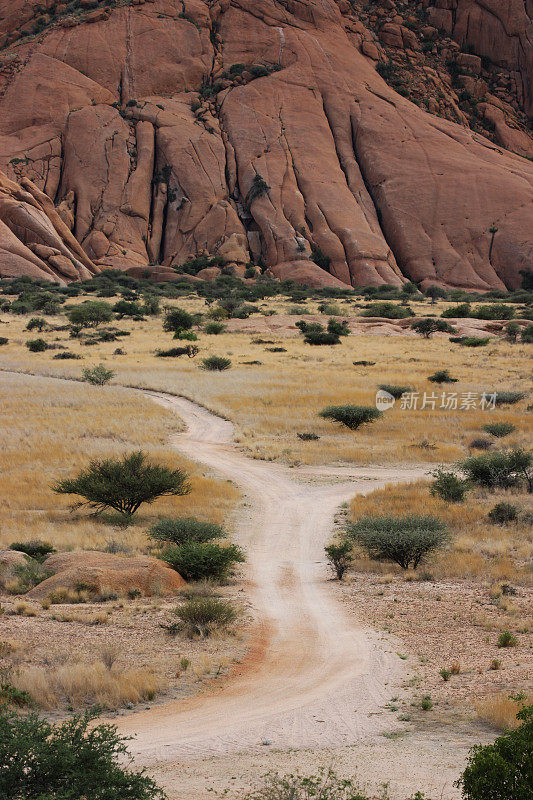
315,686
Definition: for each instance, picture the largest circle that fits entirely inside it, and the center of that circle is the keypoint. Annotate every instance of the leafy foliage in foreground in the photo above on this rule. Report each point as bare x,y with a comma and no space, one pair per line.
68,761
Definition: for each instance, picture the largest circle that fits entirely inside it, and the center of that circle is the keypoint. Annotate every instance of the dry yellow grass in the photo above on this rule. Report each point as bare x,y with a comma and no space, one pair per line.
478,549
51,429
501,709
90,683
272,402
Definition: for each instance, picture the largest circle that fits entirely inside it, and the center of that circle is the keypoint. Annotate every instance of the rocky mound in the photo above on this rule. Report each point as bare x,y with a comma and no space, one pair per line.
261,130
104,572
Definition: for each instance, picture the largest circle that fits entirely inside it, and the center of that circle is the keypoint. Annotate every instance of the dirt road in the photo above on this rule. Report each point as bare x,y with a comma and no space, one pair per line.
315,680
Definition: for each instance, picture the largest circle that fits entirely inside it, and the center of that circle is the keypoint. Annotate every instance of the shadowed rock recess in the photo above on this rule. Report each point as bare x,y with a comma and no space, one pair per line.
138,133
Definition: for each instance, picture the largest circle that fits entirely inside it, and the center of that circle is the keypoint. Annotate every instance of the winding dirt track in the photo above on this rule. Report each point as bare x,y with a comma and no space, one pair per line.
314,679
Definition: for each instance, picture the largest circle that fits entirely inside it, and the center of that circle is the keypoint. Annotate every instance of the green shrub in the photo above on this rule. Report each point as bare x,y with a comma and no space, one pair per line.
406,539
35,549
351,416
340,557
442,376
98,376
500,470
177,319
128,308
196,561
507,639
189,350
28,575
11,696
90,314
214,328
308,437
66,761
426,327
124,485
499,429
321,338
338,328
202,615
185,529
426,704
470,341
187,335
494,311
323,786
395,390
36,324
512,329
215,364
36,345
66,355
387,310
503,513
460,311
527,334
3,340
448,486
151,306
331,309
502,770
509,398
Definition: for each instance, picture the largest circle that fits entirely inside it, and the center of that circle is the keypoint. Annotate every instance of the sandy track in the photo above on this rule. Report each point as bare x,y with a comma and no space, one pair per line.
314,680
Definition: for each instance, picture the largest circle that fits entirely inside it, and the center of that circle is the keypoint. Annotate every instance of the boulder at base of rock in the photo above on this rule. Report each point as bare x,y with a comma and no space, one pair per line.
107,573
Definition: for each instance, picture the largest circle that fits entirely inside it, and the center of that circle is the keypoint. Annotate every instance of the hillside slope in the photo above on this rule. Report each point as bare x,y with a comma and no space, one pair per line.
261,130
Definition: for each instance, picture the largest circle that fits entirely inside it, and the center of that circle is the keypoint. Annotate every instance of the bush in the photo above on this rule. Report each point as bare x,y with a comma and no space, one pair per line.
527,335
502,770
494,311
512,329
321,338
499,429
175,352
177,319
98,376
395,390
351,416
460,311
448,486
331,309
90,314
196,561
340,557
127,308
36,324
67,761
503,513
509,398
404,539
66,355
470,341
36,345
324,786
3,340
125,484
507,639
215,364
387,310
426,327
28,575
35,549
338,328
185,529
480,444
214,328
500,470
201,615
442,376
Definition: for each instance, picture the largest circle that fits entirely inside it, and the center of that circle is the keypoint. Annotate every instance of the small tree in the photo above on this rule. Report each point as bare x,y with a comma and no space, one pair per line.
36,345
405,539
502,770
124,485
512,329
500,470
90,314
66,761
448,486
338,328
434,292
98,375
503,513
351,416
128,308
340,557
185,529
36,324
427,326
177,320
196,561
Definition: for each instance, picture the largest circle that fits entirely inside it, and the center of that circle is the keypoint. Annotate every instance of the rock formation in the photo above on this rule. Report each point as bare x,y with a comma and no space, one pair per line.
149,132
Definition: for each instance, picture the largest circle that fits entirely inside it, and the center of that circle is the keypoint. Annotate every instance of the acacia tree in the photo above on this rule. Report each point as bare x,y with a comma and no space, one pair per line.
124,484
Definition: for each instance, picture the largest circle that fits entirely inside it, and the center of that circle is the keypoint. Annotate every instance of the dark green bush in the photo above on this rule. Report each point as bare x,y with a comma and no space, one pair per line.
509,398
98,376
499,429
175,352
338,328
442,376
507,639
196,561
500,470
351,416
460,311
502,770
177,319
125,308
321,338
3,340
426,327
527,334
36,324
214,328
35,549
70,760
125,484
470,341
323,786
494,311
200,616
36,345
215,364
395,390
387,310
503,513
185,529
340,557
512,330
90,314
448,486
406,539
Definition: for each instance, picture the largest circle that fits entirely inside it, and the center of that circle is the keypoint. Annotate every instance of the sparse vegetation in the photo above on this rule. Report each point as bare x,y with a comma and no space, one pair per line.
351,416
216,364
201,616
448,486
98,376
406,540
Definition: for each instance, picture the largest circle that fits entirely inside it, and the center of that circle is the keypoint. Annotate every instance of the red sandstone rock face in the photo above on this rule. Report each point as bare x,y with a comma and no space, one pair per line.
107,116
